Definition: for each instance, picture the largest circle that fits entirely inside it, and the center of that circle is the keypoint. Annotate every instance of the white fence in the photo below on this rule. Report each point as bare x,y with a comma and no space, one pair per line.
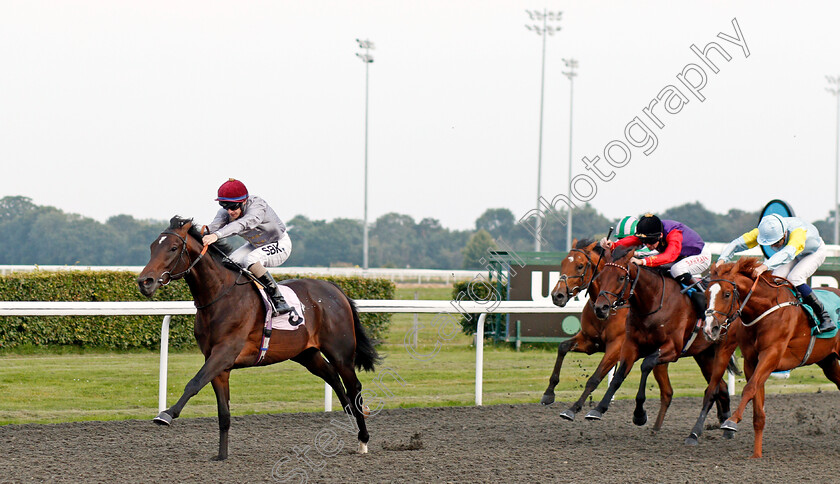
169,308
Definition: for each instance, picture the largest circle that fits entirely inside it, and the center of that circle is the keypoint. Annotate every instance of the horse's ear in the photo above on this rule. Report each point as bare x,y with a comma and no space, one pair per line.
574,243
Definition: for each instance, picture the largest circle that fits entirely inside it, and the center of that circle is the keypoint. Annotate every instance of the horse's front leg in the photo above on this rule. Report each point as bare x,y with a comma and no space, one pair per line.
767,363
607,362
648,364
562,349
221,385
721,361
221,358
758,422
629,354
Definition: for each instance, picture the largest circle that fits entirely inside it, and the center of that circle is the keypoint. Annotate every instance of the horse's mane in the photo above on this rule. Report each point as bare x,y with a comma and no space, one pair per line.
622,251
745,266
224,247
584,243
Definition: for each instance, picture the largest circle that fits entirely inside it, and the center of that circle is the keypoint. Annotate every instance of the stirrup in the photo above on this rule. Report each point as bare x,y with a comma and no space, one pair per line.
277,310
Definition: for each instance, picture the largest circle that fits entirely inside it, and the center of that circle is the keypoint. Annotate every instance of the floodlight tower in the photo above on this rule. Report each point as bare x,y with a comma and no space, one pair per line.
367,58
545,30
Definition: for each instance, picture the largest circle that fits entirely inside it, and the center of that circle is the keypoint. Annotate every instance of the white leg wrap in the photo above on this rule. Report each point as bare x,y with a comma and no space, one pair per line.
363,448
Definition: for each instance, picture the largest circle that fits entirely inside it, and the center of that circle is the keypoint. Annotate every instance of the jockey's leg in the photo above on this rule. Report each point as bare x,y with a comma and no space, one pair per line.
277,300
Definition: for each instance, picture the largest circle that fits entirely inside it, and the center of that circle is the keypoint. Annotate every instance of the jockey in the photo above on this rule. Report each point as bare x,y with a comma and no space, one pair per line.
675,242
800,252
268,244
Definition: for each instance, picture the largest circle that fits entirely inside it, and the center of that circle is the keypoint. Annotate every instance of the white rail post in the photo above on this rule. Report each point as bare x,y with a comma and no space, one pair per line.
164,358
327,397
731,383
479,356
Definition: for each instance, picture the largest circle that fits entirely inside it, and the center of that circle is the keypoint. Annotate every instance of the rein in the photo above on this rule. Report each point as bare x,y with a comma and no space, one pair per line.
732,316
173,277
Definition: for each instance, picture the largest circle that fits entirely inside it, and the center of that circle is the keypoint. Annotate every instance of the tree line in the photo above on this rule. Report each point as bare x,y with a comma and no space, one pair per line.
32,234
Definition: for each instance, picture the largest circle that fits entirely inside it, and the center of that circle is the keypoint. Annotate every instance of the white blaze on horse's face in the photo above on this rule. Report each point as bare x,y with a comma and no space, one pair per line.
161,240
713,294
571,259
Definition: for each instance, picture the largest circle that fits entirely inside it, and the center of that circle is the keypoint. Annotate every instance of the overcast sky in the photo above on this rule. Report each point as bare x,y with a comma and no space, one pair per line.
145,108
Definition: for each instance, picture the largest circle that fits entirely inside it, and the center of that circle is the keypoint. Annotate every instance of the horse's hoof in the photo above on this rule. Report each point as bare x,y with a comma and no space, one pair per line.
728,434
363,448
218,458
568,415
729,425
640,419
163,418
547,399
594,415
691,439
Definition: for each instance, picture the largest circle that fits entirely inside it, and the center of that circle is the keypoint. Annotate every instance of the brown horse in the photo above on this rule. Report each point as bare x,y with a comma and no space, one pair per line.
581,266
661,327
765,319
230,320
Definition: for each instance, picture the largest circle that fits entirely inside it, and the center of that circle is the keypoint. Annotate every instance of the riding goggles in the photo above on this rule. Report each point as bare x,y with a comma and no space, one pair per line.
231,205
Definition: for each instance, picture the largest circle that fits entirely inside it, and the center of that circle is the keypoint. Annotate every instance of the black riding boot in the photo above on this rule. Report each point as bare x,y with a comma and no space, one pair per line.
695,295
826,324
277,300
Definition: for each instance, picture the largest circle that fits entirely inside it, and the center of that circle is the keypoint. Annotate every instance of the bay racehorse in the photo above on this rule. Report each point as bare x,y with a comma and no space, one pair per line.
661,327
230,319
763,317
578,273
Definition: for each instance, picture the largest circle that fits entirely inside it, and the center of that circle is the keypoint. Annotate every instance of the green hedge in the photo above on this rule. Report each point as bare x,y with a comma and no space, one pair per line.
125,332
477,289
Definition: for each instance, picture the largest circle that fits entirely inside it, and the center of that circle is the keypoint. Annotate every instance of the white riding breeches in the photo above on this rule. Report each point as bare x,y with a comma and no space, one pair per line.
803,267
693,264
271,255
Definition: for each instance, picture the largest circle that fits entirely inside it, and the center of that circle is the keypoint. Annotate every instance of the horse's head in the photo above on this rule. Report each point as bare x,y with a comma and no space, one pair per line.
576,271
615,280
728,286
170,256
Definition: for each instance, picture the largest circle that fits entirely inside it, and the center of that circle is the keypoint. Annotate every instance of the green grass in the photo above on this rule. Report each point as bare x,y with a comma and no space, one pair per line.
68,384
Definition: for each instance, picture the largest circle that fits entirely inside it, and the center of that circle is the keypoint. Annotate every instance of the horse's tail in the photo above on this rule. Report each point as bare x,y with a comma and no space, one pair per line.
733,366
366,355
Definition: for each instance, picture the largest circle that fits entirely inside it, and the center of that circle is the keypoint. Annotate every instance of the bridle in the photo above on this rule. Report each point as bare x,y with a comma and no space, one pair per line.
732,313
581,287
184,254
620,300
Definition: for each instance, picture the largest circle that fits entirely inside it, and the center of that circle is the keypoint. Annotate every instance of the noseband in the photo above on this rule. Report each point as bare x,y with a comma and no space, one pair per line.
168,274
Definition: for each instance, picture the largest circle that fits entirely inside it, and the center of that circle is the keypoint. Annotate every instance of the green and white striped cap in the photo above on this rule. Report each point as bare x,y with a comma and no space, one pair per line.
626,226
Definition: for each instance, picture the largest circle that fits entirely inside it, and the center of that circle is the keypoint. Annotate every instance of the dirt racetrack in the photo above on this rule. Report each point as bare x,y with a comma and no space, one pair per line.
503,443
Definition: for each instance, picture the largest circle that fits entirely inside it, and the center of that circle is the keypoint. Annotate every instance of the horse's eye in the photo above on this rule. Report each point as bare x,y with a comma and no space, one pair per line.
173,249
580,266
621,278
727,294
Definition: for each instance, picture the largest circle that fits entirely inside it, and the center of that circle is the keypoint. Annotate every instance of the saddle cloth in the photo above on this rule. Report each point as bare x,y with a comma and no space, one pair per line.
831,302
289,321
